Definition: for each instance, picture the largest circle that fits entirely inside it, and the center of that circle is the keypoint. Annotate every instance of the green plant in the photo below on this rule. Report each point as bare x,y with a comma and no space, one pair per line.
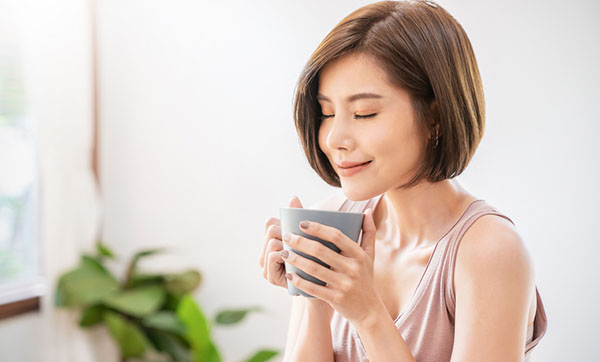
151,317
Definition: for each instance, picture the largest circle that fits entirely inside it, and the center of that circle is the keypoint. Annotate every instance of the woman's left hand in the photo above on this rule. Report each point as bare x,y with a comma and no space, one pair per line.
350,287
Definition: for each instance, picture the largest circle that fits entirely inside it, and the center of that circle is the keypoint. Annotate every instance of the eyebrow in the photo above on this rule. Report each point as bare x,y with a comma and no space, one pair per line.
352,98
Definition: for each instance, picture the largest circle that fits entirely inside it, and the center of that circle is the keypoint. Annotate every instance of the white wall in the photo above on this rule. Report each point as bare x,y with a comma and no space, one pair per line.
198,146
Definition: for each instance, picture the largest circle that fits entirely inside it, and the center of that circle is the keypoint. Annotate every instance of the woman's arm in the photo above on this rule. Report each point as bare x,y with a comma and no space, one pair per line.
332,203
493,282
294,326
313,342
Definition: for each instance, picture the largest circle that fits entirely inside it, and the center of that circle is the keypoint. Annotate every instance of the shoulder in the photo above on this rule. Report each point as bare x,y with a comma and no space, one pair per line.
331,203
493,282
492,251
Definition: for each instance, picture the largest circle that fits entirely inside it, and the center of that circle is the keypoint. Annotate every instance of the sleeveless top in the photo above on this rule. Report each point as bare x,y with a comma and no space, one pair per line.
427,322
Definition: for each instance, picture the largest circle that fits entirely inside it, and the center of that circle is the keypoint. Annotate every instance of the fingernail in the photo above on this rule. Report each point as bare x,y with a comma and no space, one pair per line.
284,253
287,237
288,276
304,224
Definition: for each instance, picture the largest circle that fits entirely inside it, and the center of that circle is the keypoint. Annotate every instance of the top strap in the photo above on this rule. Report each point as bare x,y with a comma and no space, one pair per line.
449,257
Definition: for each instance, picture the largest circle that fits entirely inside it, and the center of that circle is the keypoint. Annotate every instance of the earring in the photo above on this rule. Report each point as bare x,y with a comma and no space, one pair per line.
436,139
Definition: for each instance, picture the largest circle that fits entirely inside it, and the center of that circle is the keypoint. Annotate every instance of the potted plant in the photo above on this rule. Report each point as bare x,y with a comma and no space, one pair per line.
151,317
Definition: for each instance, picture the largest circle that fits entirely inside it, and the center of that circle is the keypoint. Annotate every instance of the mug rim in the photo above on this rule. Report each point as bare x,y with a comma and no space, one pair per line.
321,211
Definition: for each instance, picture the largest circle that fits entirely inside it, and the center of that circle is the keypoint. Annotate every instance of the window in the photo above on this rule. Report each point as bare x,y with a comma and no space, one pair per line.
19,245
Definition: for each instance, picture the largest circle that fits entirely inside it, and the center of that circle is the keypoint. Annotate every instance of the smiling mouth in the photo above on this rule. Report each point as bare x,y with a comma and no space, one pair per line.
345,168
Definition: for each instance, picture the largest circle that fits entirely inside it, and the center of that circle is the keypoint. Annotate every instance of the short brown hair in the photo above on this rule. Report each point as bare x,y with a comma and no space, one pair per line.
423,50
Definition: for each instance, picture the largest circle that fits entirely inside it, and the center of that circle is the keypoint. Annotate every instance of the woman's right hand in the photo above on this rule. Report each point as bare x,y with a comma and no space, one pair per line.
270,258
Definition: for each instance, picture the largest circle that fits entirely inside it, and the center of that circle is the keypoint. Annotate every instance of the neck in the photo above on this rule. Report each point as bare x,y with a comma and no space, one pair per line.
420,215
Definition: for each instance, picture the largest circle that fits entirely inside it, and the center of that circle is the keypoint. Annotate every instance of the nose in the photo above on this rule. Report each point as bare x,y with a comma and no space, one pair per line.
339,134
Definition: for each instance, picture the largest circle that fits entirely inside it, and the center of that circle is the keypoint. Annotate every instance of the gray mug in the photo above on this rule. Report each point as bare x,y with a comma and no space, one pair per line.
349,223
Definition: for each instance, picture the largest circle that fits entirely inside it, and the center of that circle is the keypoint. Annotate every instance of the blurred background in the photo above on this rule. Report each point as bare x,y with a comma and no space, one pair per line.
168,124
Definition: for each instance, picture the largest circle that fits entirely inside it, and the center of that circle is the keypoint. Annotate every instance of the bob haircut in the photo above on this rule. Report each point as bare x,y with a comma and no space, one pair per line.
424,51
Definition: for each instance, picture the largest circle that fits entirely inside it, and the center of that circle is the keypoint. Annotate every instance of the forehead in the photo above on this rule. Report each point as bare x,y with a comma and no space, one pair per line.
351,74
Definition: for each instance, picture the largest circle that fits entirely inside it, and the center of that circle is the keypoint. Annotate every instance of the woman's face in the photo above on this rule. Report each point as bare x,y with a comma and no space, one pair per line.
390,137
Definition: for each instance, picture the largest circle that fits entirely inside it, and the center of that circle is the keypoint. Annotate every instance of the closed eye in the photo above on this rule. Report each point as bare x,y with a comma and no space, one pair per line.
356,115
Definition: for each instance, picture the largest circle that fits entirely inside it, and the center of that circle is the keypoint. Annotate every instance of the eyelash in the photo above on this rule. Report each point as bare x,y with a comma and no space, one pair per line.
323,116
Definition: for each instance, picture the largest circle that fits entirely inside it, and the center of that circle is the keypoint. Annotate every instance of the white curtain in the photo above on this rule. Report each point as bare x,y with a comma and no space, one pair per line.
58,70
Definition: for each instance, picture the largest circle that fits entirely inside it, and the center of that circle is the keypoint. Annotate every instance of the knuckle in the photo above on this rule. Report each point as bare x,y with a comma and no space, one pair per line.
270,265
352,271
291,256
303,284
313,249
337,298
293,239
274,245
270,260
311,267
344,286
271,220
273,231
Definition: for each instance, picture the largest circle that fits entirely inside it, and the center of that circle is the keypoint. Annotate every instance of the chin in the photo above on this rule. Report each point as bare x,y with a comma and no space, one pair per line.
355,193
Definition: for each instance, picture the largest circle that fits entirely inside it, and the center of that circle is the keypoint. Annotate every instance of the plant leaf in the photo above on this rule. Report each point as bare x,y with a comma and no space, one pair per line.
213,354
139,279
197,330
142,253
131,269
91,316
103,250
87,284
263,355
232,316
131,340
138,302
165,321
174,346
171,302
93,263
182,283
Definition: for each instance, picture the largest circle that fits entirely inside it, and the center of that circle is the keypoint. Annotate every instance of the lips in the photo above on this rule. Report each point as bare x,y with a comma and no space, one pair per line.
348,164
354,170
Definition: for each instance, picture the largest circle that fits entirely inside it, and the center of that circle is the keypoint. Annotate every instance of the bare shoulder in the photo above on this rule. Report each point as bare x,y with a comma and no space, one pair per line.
492,247
493,287
331,203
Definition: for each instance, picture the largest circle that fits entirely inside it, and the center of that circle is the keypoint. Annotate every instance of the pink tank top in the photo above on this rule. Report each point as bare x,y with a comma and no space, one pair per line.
427,323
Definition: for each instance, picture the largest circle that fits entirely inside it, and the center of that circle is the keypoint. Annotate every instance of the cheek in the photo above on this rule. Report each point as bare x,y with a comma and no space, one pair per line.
322,137
400,146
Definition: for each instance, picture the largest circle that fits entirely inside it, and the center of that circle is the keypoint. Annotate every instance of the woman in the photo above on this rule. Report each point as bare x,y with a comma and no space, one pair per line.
394,88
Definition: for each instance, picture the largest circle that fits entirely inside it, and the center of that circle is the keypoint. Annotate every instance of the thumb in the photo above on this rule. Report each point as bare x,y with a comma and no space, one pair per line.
368,235
295,202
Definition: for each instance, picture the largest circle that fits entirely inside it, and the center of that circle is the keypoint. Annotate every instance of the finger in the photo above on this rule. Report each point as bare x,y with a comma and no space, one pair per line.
274,245
273,232
318,250
276,269
368,235
313,268
295,202
324,232
272,220
314,289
